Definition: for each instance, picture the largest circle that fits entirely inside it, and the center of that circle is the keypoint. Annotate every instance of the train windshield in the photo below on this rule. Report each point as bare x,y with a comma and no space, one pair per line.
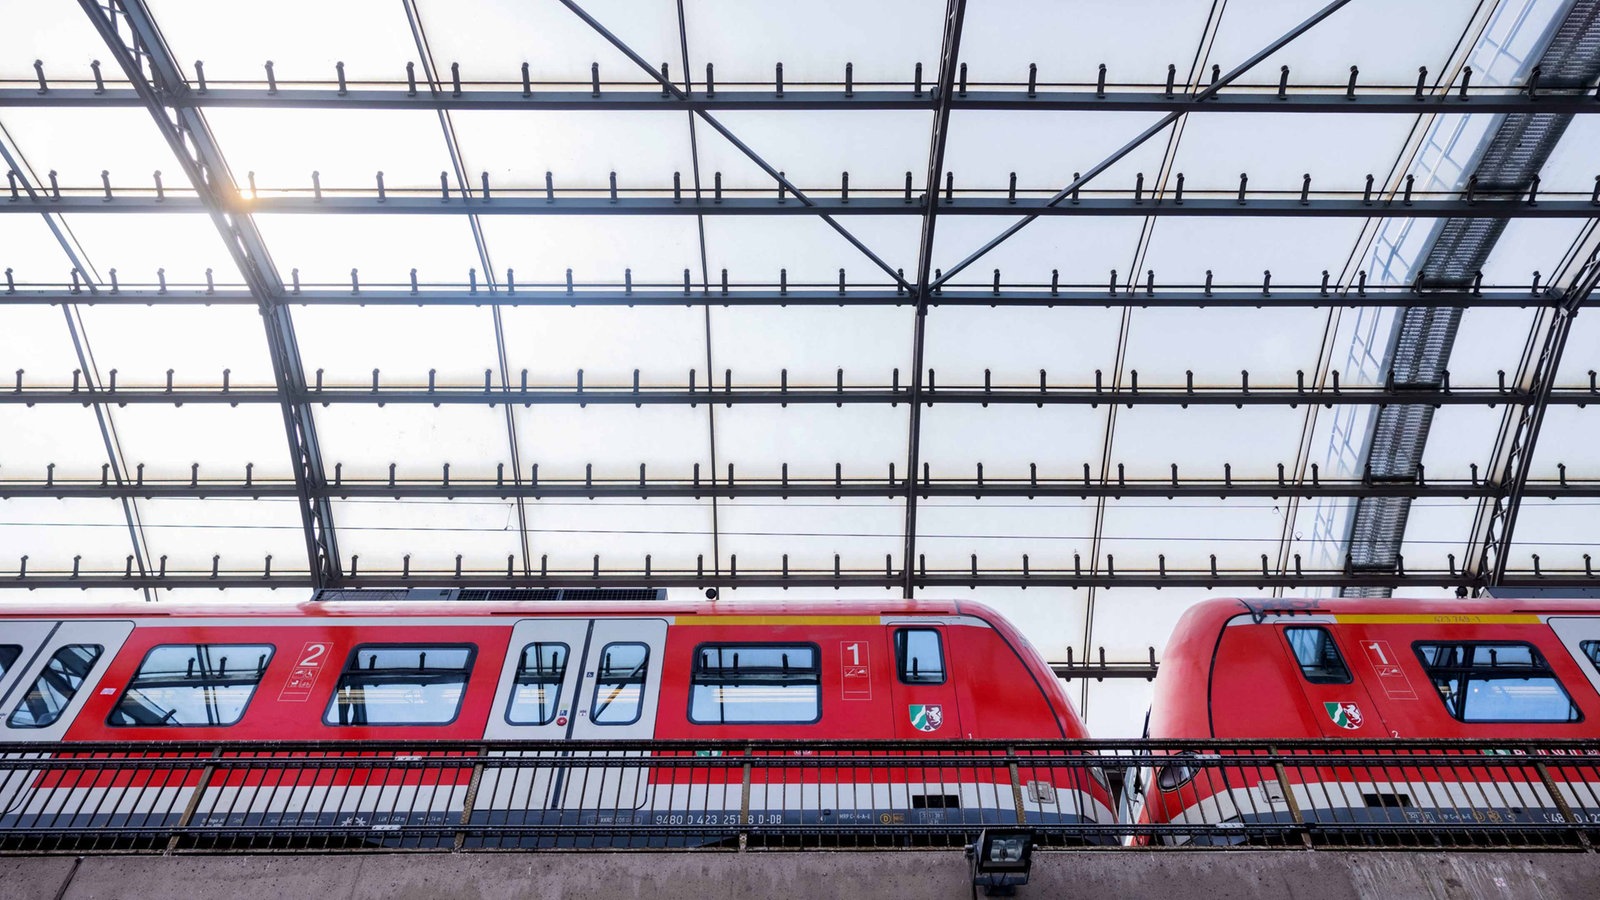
402,684
1317,655
192,684
755,683
55,687
1481,681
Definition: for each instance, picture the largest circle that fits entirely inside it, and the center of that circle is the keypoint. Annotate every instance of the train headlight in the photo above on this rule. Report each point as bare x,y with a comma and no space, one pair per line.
1001,860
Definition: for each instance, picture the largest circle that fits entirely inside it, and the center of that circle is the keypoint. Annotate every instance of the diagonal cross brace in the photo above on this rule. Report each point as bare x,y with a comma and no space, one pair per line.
155,75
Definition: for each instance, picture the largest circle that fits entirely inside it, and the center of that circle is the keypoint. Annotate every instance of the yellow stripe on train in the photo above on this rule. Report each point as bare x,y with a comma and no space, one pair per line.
1438,619
780,620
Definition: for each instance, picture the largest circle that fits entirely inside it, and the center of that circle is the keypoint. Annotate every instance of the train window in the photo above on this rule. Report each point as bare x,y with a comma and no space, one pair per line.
1590,649
401,684
755,683
619,686
1317,655
8,657
1482,681
919,656
536,692
192,684
55,687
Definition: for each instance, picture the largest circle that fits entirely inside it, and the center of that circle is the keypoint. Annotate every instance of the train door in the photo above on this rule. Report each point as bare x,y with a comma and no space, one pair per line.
617,690
50,671
535,699
50,681
1581,637
1339,700
924,694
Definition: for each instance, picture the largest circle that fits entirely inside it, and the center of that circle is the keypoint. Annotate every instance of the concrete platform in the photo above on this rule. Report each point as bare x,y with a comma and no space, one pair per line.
910,875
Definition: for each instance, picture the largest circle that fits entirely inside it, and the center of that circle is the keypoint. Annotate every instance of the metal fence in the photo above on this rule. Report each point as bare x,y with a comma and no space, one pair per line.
165,797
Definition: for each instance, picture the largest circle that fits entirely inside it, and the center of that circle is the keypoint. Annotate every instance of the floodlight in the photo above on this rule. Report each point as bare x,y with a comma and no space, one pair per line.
1001,860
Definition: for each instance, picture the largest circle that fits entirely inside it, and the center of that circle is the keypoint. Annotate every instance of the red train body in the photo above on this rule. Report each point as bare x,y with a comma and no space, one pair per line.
1288,670
358,672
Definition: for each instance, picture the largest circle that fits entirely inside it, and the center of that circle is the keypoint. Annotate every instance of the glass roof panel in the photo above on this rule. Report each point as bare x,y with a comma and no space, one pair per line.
1001,530
810,530
1581,357
431,532
555,43
598,249
167,440
369,36
31,251
1014,343
188,532
1046,148
884,40
1202,440
758,439
1528,245
813,148
346,343
579,149
347,147
36,436
668,440
440,248
1571,166
812,343
1182,250
998,40
58,34
142,343
1006,438
1460,436
1188,530
1052,618
608,343
418,440
1562,532
566,534
1489,341
1567,438
51,532
146,247
1386,41
1436,529
1219,343
52,138
1337,151
755,248
35,339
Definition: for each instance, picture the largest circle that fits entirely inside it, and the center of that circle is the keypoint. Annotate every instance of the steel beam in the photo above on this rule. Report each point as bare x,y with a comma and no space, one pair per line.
949,52
154,73
951,579
805,395
1495,522
1026,295
1004,486
523,202
1383,99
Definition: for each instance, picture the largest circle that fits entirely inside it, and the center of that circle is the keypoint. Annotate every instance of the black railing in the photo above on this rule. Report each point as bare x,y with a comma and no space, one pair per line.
499,795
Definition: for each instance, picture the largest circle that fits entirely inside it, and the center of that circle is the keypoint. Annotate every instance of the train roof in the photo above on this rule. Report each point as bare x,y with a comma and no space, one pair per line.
389,605
1212,613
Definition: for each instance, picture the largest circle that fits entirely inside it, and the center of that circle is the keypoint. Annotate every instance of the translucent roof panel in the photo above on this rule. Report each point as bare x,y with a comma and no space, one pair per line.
1082,250
223,439
36,340
432,532
999,40
242,532
1007,438
812,343
1013,344
368,36
1183,250
1562,532
863,531
884,40
755,250
402,342
352,146
1437,529
580,149
812,149
1337,151
142,343
676,534
608,343
1219,344
1001,530
1203,441
669,441
598,249
419,440
57,34
32,251
37,436
1188,531
51,532
146,248
812,438
1567,438
555,43
440,248
51,139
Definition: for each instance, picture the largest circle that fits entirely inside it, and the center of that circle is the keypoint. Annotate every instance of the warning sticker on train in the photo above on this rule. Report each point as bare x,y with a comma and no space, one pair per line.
1344,715
926,717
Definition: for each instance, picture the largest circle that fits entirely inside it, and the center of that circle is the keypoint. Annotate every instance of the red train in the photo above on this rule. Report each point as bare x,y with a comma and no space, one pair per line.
1522,671
359,671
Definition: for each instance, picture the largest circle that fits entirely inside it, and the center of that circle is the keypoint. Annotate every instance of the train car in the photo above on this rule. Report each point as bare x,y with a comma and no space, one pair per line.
1522,672
355,671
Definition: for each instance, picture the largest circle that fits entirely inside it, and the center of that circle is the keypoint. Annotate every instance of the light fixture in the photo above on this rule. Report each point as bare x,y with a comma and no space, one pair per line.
1001,860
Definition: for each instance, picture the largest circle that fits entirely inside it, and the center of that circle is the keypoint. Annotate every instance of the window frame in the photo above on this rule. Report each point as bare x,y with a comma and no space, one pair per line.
355,653
99,654
133,683
1535,653
561,683
694,668
1349,676
594,696
900,656
8,666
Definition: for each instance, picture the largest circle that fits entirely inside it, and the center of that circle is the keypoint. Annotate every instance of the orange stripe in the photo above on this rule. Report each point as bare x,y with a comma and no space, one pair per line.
1439,619
779,620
